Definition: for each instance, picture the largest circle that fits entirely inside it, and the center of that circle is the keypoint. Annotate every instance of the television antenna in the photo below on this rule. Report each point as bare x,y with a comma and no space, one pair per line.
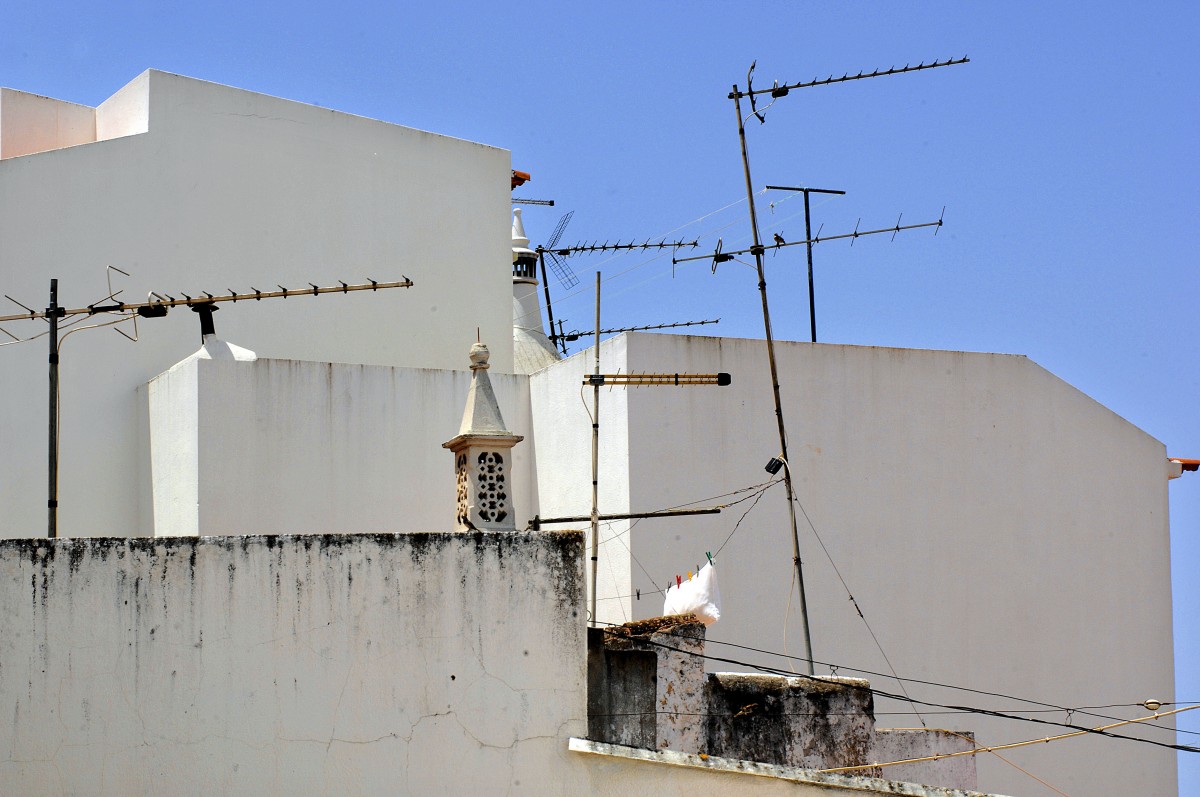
597,380
777,92
575,335
204,304
560,337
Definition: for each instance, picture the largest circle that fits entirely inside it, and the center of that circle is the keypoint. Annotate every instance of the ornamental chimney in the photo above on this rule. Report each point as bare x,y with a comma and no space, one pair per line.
483,456
532,350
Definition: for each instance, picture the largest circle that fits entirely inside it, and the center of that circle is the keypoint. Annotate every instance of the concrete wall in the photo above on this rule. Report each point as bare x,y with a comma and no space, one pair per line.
359,664
289,665
203,187
999,529
277,446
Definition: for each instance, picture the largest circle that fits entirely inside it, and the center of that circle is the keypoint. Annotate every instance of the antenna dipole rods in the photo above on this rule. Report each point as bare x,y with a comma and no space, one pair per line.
577,335
563,251
779,91
208,298
819,239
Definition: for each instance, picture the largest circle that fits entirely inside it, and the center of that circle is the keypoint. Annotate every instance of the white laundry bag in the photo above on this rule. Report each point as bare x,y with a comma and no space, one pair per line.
698,595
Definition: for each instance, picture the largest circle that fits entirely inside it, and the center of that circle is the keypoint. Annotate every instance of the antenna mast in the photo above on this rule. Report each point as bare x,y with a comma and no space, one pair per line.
203,305
757,250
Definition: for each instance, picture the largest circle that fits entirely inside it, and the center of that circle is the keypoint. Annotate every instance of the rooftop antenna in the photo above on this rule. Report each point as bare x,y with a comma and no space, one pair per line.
574,335
555,252
777,92
812,301
204,305
566,277
598,380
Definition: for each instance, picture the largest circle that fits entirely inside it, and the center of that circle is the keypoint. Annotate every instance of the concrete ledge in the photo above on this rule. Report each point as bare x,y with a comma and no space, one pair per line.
794,774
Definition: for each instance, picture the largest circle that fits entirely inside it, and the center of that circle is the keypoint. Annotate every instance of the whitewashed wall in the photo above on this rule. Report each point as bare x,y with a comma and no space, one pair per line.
283,446
1000,530
32,123
335,664
197,187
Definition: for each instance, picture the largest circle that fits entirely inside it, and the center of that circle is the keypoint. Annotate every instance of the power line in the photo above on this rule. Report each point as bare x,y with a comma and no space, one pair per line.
902,698
1049,707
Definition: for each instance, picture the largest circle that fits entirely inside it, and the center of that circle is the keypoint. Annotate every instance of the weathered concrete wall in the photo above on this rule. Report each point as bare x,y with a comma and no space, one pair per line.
204,187
276,446
409,664
792,721
365,664
987,516
647,690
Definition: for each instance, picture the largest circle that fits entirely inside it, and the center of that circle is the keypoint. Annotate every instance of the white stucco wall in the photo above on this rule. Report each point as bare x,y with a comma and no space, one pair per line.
283,446
358,664
203,187
999,529
337,664
32,123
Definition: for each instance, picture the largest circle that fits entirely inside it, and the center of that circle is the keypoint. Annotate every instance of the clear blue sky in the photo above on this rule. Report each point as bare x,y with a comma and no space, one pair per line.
1065,154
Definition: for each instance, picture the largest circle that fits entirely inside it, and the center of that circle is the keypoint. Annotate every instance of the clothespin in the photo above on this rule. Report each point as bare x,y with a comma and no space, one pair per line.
709,555
690,574
639,594
678,581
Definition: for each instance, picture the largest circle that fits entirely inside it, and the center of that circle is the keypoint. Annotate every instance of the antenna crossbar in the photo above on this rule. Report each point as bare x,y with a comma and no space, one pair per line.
148,308
563,251
819,239
523,201
536,522
780,91
673,380
576,335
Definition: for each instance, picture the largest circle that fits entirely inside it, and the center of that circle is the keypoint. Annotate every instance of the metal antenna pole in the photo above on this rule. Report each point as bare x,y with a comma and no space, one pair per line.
52,313
596,458
546,290
808,241
812,293
762,288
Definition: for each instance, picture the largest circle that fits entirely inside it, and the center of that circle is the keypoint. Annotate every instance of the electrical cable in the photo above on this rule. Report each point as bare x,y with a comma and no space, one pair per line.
1103,730
903,698
845,586
1048,707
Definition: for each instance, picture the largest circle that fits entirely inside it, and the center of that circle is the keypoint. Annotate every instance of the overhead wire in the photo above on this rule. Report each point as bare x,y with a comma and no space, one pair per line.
904,698
1047,707
1102,729
845,586
974,743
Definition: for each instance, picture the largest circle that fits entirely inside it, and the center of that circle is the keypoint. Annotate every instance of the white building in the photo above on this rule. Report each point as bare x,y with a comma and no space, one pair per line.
986,516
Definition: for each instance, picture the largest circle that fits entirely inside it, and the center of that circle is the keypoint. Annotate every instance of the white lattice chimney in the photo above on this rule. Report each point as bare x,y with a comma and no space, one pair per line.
483,456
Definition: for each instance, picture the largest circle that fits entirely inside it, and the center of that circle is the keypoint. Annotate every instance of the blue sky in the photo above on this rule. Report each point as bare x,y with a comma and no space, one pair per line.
1064,154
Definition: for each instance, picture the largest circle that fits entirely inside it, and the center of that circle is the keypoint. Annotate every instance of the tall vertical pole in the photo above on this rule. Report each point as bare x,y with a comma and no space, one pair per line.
762,289
52,313
558,344
596,459
812,296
